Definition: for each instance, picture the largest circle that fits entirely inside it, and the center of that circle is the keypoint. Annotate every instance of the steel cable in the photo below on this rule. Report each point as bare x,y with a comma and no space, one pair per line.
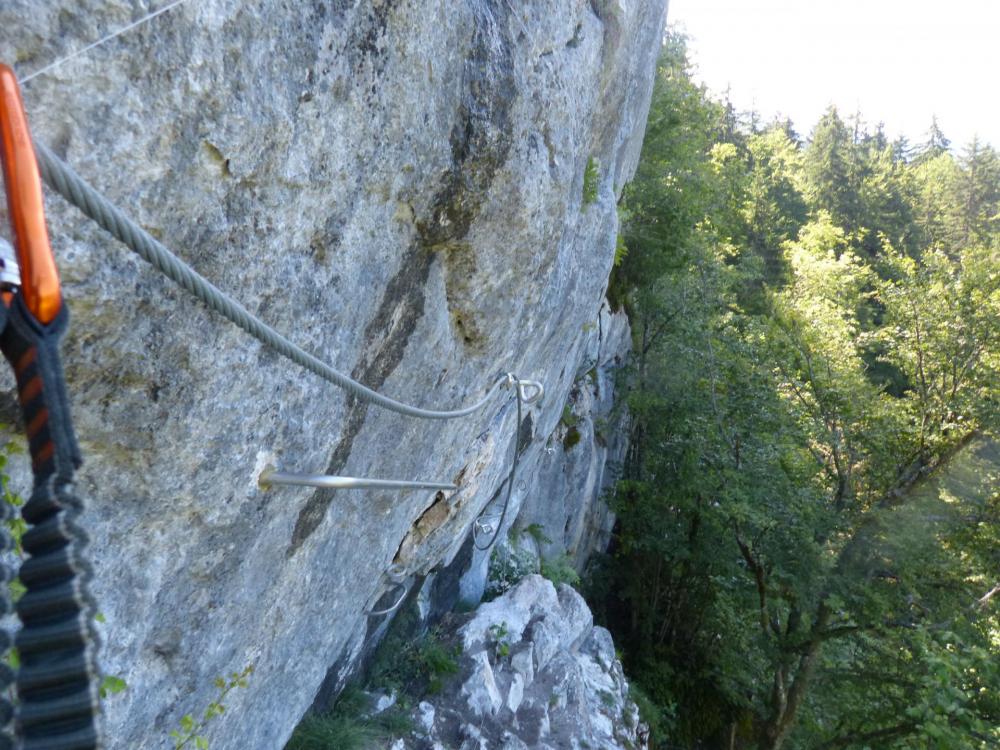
60,177
510,483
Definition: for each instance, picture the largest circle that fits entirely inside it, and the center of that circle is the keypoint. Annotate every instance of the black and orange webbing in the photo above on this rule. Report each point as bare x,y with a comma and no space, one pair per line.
57,679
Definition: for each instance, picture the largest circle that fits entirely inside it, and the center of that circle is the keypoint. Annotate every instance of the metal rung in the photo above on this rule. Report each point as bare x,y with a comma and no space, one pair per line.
269,478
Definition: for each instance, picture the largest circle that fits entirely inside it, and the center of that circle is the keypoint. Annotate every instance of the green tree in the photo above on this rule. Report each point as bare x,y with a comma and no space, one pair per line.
775,208
814,346
978,194
936,143
832,171
940,330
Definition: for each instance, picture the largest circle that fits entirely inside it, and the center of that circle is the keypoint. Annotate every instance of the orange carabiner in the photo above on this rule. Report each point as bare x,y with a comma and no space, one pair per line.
39,277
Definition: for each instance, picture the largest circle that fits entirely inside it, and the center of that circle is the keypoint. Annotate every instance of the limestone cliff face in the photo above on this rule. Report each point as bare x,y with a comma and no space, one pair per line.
399,186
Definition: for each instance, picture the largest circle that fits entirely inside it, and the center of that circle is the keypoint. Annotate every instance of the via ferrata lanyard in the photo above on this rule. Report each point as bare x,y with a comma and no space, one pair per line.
57,678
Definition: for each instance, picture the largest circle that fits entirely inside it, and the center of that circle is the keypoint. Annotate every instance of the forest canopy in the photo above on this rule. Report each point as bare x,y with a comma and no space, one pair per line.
807,552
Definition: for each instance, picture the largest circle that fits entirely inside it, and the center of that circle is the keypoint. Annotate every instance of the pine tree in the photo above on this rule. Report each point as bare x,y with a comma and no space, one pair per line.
831,172
979,193
936,143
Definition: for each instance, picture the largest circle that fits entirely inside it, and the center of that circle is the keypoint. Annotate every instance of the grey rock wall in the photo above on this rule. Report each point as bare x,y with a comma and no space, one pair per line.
558,512
396,184
583,456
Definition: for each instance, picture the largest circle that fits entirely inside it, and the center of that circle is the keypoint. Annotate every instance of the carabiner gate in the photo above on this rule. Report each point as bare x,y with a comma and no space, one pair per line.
39,278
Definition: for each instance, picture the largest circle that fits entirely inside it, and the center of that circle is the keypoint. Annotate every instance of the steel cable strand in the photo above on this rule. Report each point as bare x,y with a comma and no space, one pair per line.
510,480
61,178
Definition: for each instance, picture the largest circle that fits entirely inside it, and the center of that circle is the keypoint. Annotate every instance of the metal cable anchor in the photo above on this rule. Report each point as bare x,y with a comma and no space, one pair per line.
524,387
482,527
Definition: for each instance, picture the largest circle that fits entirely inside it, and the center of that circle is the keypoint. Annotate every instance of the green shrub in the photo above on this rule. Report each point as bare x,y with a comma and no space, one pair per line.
348,726
560,570
621,250
572,438
437,661
111,685
413,665
508,565
190,732
659,719
537,532
590,179
568,418
326,732
500,636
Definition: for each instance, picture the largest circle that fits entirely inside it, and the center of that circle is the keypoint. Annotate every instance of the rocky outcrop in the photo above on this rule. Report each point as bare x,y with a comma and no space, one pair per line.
399,186
535,673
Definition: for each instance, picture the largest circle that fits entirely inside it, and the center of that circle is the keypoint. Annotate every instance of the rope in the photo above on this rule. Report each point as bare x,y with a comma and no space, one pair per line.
510,480
60,177
102,40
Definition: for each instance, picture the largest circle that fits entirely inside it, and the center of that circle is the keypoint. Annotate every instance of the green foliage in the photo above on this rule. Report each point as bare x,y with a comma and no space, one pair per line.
499,635
111,685
621,250
940,331
349,725
16,527
416,666
190,732
559,570
537,532
572,438
815,336
436,661
657,716
591,176
508,565
325,732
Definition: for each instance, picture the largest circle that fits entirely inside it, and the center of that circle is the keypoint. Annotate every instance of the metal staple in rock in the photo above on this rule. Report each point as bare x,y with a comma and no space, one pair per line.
60,177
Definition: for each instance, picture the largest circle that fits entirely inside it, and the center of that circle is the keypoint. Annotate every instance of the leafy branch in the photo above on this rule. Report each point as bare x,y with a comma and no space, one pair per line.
190,733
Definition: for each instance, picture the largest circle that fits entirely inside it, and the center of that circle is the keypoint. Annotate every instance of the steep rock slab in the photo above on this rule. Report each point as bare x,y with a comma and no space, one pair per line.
398,185
559,515
583,456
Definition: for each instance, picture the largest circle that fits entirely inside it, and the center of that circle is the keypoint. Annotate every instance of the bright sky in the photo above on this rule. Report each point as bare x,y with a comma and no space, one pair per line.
899,61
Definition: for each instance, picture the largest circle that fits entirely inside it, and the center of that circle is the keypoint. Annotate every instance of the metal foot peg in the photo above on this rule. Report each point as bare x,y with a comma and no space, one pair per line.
270,477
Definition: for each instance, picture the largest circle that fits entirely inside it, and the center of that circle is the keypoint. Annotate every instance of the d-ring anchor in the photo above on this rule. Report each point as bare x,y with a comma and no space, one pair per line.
538,390
396,573
481,528
529,391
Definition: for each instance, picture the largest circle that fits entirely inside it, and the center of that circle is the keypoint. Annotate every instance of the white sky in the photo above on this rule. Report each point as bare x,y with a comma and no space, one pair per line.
899,61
